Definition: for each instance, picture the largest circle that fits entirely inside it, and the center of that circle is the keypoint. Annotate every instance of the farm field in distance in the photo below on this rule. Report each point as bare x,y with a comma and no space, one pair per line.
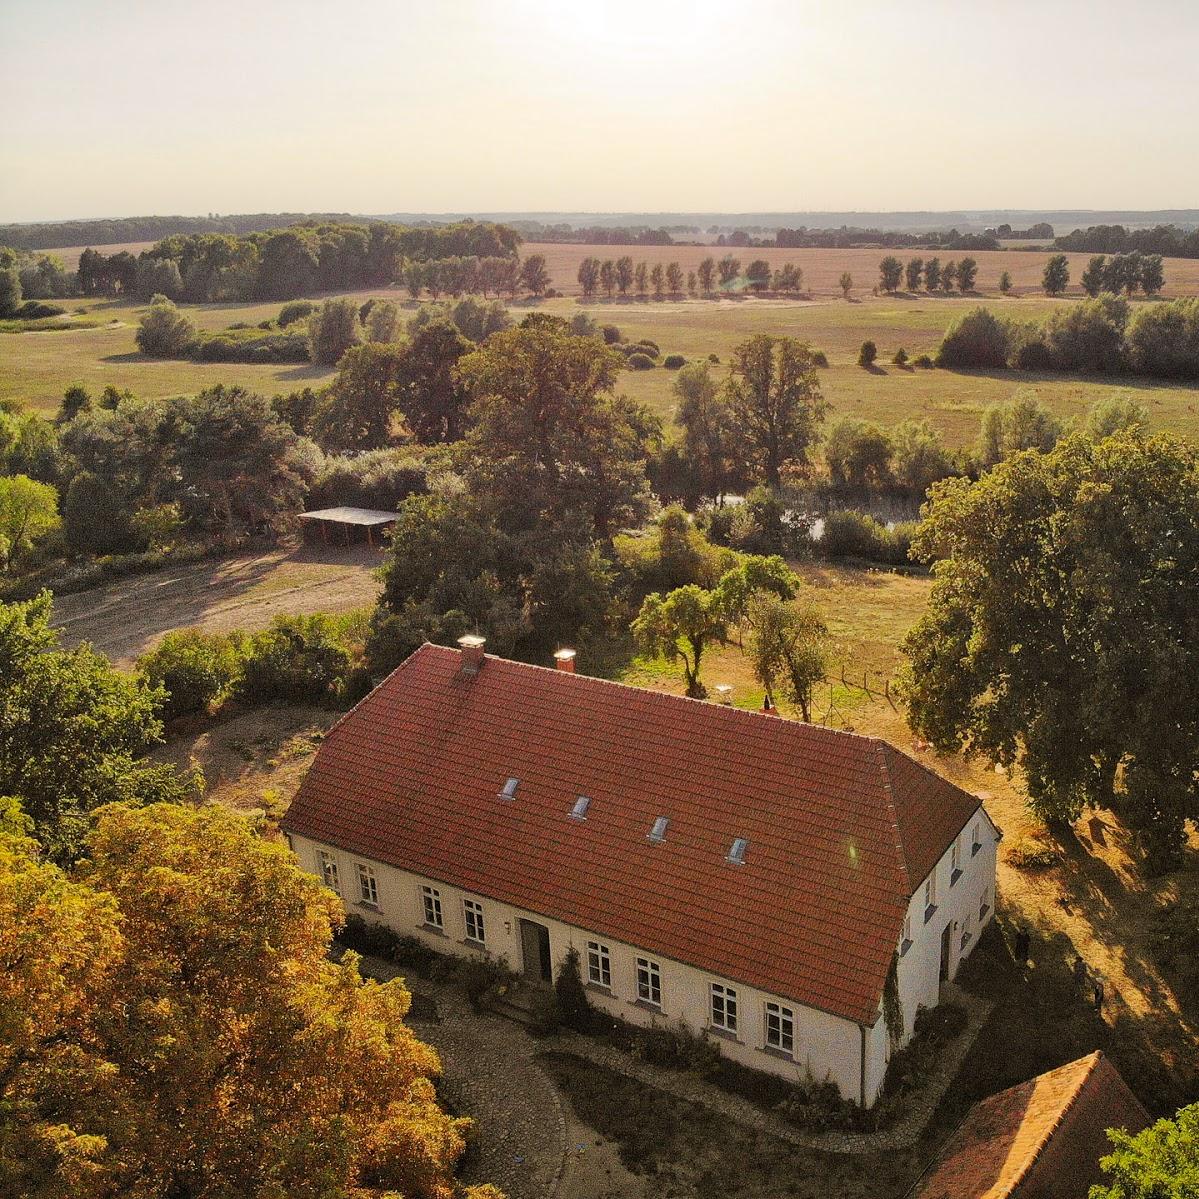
36,367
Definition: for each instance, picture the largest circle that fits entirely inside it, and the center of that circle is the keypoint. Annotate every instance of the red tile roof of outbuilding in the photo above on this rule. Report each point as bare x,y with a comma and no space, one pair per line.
1041,1139
841,828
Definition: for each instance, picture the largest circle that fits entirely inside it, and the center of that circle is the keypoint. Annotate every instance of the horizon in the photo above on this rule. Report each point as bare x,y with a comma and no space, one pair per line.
628,103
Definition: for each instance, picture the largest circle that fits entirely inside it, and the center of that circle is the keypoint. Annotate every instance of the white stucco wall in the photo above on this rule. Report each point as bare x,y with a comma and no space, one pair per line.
958,904
826,1046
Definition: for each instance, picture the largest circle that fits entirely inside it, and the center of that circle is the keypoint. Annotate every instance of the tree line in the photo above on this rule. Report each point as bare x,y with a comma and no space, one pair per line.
622,277
935,277
1168,240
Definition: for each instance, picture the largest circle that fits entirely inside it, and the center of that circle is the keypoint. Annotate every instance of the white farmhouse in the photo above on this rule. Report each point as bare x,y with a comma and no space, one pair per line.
751,876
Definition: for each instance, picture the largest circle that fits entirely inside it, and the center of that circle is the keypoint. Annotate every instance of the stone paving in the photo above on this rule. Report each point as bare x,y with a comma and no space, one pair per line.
491,1069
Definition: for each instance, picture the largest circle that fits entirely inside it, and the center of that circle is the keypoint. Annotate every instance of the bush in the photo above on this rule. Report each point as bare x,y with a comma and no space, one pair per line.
96,517
265,348
573,1008
900,357
1088,336
1032,851
977,340
819,358
332,329
640,362
923,361
33,310
611,335
298,660
672,362
851,534
376,479
867,354
164,331
1163,339
197,669
1175,943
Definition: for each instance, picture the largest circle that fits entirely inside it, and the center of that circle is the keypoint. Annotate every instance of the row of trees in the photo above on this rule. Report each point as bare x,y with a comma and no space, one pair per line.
621,277
1103,334
1168,240
1124,273
892,273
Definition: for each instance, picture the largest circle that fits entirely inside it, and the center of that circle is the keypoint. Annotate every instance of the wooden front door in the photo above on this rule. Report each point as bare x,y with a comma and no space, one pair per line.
946,943
535,951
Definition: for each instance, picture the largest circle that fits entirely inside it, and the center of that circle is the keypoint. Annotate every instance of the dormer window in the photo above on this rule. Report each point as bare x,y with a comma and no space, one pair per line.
737,852
509,791
579,811
658,832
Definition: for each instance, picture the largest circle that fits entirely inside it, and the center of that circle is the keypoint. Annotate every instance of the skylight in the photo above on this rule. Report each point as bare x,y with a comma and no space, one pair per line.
509,791
658,832
737,853
579,811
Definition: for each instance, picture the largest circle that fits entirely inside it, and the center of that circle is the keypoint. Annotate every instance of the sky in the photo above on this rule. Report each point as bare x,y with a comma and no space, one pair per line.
133,107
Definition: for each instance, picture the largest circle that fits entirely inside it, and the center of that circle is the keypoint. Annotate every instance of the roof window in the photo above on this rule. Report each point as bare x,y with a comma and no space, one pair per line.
509,791
579,811
737,852
658,832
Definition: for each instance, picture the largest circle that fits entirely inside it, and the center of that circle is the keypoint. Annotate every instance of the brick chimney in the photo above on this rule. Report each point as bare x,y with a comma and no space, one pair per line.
472,653
564,659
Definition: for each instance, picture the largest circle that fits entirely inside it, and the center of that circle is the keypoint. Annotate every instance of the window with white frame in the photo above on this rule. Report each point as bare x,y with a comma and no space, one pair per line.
368,885
724,1007
476,930
649,982
328,865
599,964
780,1028
930,896
955,861
431,899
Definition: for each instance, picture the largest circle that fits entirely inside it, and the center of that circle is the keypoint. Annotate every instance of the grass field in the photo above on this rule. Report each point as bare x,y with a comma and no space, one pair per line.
35,368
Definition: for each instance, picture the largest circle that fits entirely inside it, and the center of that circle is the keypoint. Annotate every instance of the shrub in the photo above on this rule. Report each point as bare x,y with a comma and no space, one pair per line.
197,669
640,362
1032,851
298,660
1175,942
649,347
1087,336
375,479
164,331
544,1018
672,362
924,361
33,310
573,1008
851,534
332,329
900,357
1163,339
583,324
977,340
819,358
867,354
611,334
268,347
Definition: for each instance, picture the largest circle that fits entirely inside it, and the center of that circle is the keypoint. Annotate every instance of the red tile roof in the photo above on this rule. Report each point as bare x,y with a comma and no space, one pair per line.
841,828
1040,1140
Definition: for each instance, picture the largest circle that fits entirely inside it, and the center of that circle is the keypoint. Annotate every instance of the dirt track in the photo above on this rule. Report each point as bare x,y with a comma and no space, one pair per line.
125,618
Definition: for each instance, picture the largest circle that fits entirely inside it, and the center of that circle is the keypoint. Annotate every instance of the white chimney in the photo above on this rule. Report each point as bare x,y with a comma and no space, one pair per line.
564,659
472,652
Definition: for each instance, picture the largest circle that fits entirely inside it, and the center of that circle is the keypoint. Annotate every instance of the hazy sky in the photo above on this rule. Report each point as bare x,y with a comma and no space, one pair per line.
127,107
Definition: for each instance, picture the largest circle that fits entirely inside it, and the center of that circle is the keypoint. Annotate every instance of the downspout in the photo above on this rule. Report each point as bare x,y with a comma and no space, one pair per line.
862,1071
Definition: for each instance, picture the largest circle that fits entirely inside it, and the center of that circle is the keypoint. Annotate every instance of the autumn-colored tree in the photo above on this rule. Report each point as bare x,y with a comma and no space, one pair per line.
173,1026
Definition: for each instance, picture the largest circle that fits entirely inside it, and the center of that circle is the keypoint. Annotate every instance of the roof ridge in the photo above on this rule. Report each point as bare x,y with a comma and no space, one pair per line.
885,770
940,778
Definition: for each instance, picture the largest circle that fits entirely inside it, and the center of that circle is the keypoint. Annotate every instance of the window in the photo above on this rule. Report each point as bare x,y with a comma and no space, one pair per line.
579,811
930,896
976,838
737,853
509,791
724,1007
966,934
780,1028
658,832
328,864
475,929
368,885
955,861
599,964
906,941
649,982
431,898
984,905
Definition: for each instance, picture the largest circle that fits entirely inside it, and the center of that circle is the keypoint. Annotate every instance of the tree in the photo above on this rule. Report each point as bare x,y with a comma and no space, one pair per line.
429,393
10,290
548,438
728,268
164,1014
642,277
890,273
297,660
75,399
692,285
1094,276
787,648
657,280
932,274
1021,424
382,322
28,513
1153,277
360,404
707,274
974,341
158,276
1062,629
333,329
674,278
758,274
414,277
164,331
920,457
867,353
1005,282
192,669
967,274
1159,1162
858,453
710,438
1056,277
753,575
775,396
535,275
589,276
624,274
73,731
1117,414
949,275
912,273
679,627
845,283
